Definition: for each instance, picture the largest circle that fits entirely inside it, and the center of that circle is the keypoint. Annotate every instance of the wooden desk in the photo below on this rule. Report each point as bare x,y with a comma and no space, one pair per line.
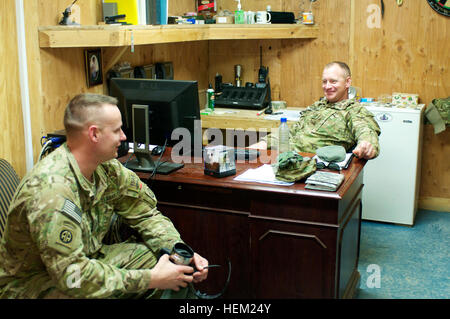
283,242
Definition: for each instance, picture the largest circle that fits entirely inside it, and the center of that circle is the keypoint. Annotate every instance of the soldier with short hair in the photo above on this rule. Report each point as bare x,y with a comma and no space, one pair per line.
333,120
53,243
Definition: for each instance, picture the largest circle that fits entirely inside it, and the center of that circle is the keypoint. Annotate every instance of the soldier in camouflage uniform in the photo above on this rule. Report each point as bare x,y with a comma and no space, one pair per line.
63,208
333,120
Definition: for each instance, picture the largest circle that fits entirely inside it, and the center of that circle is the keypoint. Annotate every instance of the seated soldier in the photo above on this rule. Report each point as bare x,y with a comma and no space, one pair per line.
333,120
53,244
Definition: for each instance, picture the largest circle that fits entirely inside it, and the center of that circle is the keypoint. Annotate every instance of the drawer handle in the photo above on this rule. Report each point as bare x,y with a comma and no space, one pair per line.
293,234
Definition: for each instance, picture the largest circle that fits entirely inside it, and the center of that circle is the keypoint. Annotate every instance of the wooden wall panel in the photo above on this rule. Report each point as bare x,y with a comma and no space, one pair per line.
295,66
50,12
409,53
179,7
63,74
189,59
12,143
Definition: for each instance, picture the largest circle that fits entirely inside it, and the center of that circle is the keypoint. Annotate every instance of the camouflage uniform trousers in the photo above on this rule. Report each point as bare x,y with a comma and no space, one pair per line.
127,255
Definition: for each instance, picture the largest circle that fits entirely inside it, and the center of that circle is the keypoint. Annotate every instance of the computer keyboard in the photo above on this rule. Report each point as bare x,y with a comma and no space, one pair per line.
245,154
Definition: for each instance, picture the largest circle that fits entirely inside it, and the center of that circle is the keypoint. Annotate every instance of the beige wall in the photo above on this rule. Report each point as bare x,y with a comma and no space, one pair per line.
408,53
12,145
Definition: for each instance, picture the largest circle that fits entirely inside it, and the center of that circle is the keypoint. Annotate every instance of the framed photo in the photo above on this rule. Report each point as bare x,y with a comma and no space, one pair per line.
93,64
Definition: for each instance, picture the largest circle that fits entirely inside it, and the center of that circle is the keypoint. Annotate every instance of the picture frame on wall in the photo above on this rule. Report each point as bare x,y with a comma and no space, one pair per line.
93,65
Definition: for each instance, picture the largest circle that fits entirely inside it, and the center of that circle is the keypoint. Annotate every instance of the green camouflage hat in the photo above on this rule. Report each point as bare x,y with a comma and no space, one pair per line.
443,107
331,153
292,167
438,114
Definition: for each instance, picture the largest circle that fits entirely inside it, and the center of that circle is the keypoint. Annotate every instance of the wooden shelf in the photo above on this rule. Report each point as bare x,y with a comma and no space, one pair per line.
118,36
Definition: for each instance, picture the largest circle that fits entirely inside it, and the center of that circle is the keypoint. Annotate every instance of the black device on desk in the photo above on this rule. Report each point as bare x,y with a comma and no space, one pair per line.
151,110
249,97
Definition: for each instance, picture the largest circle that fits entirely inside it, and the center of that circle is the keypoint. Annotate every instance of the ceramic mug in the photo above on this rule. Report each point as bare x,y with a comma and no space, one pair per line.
263,17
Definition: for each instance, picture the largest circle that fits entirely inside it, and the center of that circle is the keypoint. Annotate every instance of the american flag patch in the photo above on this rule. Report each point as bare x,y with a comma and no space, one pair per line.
71,210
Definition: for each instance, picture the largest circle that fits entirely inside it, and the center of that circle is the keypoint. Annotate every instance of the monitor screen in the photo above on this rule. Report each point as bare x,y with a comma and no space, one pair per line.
171,104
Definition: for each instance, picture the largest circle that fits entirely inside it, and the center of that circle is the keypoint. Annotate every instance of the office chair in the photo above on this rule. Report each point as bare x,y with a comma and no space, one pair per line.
9,180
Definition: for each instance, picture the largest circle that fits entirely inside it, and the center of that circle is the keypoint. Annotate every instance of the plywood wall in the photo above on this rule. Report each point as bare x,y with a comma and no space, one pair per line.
12,143
62,70
295,66
408,52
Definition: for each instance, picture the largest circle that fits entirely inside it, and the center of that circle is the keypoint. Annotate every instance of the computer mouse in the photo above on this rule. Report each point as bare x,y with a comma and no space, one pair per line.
157,150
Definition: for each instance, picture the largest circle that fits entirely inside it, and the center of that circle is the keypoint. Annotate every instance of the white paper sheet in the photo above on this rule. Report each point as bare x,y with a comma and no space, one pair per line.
263,174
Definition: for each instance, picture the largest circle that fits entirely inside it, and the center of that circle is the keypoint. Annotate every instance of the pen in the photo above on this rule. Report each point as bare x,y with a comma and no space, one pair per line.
277,113
259,113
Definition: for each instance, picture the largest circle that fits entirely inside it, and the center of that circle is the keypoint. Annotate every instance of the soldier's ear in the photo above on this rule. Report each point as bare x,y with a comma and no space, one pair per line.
348,82
93,132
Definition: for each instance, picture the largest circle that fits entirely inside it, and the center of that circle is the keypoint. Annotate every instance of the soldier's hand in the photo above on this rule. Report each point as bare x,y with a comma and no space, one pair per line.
202,272
167,275
364,150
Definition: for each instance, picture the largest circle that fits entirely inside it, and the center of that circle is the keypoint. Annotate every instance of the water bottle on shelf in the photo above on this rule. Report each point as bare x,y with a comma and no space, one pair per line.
283,136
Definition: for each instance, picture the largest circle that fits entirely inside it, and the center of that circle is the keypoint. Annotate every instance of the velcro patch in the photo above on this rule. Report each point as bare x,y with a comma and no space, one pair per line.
71,210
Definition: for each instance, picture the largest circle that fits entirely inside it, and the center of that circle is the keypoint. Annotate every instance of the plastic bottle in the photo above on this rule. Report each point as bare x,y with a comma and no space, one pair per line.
210,98
283,136
239,14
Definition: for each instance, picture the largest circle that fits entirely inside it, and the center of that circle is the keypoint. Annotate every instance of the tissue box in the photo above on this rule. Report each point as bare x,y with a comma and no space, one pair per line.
219,161
405,99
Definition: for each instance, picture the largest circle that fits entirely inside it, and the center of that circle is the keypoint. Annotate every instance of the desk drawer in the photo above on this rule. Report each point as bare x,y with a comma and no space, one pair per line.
210,198
295,208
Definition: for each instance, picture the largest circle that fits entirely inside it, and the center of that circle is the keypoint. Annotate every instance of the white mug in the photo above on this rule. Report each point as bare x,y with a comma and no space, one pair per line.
249,17
263,17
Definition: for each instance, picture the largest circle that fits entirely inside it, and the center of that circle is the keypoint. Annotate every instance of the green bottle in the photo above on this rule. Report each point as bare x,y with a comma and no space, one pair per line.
210,97
239,14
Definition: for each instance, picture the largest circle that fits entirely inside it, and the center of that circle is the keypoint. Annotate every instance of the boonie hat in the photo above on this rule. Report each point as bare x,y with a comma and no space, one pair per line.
292,167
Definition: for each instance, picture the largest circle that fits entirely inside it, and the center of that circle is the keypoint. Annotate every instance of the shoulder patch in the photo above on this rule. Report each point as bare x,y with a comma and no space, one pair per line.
71,210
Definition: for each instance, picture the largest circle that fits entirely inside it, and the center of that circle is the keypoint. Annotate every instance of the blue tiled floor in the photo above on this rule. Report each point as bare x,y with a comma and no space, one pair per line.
413,262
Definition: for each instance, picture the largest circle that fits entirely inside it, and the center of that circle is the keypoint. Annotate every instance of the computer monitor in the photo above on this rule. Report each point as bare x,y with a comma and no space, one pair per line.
159,107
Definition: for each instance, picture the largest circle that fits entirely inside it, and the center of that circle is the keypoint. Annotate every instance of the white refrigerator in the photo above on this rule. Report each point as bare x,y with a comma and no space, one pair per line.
391,181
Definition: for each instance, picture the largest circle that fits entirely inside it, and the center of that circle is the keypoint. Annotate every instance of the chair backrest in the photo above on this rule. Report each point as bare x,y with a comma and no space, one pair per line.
9,180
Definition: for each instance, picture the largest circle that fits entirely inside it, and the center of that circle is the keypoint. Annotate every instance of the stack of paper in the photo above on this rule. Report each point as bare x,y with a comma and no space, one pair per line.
263,174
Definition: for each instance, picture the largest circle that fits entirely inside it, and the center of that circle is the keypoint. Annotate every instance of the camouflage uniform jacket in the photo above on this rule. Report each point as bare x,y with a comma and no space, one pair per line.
58,219
343,123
